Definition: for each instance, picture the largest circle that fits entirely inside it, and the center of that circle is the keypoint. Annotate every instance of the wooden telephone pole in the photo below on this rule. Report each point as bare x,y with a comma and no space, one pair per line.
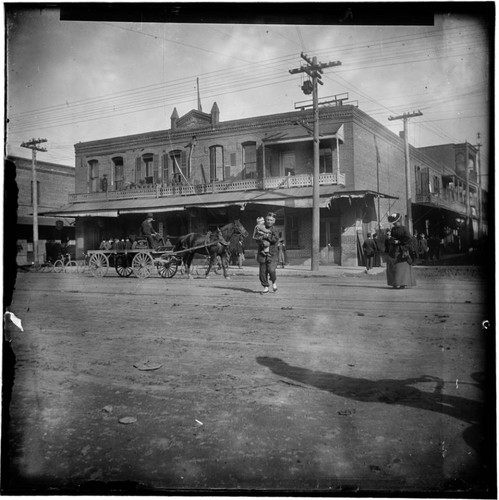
406,117
314,71
479,179
33,145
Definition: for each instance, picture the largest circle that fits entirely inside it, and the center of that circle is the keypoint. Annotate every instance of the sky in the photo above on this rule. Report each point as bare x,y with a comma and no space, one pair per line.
77,81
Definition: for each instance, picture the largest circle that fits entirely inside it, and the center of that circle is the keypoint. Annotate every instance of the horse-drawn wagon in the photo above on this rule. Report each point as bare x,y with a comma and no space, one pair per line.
141,260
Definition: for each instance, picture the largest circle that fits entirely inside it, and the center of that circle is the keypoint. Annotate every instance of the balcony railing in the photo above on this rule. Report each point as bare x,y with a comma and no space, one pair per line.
159,191
445,200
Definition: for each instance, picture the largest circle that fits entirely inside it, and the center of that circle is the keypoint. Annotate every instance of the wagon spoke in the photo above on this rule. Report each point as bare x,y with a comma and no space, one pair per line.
142,265
123,267
167,266
98,264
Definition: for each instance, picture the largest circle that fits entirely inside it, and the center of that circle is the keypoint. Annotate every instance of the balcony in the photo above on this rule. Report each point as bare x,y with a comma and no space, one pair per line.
446,199
159,191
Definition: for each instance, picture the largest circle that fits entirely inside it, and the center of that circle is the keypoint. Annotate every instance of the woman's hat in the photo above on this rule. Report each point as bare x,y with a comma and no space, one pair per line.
393,218
150,216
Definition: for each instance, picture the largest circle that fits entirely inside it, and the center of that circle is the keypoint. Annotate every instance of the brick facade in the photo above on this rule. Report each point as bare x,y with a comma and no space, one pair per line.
200,150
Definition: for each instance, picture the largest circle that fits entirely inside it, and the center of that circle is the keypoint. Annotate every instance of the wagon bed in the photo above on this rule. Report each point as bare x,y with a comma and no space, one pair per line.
139,261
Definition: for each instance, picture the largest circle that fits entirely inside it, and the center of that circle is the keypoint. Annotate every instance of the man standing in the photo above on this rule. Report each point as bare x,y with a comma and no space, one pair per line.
369,248
148,231
268,261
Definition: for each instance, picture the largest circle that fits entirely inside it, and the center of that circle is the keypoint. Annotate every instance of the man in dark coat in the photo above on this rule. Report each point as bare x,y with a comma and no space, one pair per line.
268,261
370,249
148,231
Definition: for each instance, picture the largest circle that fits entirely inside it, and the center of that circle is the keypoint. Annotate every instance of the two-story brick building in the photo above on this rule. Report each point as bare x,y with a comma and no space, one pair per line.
55,183
202,172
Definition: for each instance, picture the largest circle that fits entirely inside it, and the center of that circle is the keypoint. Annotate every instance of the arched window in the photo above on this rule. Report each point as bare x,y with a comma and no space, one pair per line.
165,174
118,174
249,160
325,160
178,159
93,176
150,170
216,163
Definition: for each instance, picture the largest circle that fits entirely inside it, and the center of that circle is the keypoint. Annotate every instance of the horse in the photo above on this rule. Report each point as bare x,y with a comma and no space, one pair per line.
213,244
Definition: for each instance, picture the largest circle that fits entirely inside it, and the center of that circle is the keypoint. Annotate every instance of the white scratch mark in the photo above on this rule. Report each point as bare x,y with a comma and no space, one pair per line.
14,320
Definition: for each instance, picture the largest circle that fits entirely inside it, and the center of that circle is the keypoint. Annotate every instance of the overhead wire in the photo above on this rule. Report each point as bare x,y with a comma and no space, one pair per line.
153,96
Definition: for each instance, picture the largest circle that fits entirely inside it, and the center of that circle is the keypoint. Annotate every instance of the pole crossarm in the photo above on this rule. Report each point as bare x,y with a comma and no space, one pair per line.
405,116
33,144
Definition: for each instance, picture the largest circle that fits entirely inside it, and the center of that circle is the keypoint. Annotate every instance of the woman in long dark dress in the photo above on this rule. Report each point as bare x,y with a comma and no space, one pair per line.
399,272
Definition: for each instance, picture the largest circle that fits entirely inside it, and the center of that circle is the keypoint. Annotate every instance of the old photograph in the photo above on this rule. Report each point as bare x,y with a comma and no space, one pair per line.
249,249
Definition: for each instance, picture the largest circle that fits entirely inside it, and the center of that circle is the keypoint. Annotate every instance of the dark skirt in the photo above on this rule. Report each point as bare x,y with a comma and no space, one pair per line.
399,273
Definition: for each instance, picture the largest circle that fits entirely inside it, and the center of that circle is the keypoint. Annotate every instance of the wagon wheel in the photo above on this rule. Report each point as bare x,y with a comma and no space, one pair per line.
142,265
167,266
122,266
98,265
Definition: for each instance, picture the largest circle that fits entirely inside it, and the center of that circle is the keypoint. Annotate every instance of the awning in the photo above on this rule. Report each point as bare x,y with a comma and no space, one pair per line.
362,194
301,134
297,197
27,220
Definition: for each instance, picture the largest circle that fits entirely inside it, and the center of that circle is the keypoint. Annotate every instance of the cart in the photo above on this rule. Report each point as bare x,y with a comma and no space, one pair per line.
139,261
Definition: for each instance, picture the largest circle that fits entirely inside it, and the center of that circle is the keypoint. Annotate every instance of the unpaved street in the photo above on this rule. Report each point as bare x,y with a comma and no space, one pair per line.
334,384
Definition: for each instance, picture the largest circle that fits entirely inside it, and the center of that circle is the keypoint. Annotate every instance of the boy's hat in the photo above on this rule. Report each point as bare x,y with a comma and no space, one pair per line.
393,218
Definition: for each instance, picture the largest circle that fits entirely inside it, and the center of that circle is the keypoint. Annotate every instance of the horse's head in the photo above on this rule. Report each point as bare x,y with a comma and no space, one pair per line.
239,228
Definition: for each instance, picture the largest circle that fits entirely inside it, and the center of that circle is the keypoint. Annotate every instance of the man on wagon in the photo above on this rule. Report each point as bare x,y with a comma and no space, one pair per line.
149,232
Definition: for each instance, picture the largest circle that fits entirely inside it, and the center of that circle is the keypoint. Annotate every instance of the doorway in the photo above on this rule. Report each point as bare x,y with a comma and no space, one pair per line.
330,241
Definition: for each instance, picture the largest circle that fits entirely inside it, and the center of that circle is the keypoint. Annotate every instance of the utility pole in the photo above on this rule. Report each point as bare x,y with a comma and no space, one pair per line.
406,117
33,145
314,70
479,175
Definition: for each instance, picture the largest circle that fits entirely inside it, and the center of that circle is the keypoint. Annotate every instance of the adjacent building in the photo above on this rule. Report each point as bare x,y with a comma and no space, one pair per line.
54,184
203,172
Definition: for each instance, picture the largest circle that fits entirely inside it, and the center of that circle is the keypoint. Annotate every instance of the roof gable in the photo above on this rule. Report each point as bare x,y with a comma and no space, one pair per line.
194,119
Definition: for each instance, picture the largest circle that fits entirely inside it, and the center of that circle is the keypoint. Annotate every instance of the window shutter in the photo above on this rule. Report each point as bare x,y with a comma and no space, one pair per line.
227,172
233,159
155,167
138,173
425,181
165,168
184,159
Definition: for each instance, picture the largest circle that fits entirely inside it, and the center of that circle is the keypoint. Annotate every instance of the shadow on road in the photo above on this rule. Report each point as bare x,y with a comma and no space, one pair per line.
238,289
391,391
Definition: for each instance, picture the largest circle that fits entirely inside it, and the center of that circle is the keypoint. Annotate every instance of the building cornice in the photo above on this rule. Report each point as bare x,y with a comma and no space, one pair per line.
163,138
42,166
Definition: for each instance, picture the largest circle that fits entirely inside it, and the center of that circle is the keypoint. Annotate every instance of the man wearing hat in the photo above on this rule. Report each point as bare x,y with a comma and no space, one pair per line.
148,231
268,260
399,272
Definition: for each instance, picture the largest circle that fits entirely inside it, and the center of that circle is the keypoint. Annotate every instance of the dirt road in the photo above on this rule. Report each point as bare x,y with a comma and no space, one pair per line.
332,385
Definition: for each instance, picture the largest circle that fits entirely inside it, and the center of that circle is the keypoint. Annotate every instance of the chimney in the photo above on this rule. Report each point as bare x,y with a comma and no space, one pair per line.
215,115
173,119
